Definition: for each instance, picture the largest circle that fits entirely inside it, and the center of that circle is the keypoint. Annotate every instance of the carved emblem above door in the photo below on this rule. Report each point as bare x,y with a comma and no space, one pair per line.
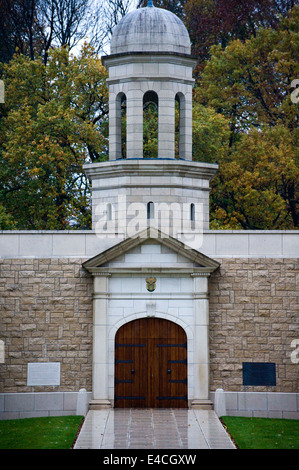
151,284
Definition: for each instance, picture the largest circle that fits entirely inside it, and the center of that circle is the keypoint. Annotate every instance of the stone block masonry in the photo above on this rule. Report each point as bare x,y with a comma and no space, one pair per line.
46,315
254,317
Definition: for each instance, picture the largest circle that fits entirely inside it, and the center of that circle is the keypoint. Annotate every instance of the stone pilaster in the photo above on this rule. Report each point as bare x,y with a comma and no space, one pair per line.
100,342
201,341
135,123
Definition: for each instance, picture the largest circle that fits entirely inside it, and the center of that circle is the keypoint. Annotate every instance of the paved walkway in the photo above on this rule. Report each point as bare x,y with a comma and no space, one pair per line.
152,429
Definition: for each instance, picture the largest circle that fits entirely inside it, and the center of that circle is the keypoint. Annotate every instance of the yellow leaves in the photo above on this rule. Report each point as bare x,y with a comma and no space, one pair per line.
257,188
250,81
34,171
210,134
48,132
224,221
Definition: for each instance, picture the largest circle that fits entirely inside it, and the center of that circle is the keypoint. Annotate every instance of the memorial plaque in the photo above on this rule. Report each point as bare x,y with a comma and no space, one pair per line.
259,373
43,373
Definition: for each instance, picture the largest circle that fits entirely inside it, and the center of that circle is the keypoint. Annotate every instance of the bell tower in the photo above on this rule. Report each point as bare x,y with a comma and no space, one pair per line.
150,206
150,61
150,64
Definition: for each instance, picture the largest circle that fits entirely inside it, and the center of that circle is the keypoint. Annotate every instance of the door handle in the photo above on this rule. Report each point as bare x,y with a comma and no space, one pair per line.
168,371
132,371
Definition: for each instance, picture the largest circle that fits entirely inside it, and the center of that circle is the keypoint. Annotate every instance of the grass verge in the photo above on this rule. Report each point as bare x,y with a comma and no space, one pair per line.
263,433
55,432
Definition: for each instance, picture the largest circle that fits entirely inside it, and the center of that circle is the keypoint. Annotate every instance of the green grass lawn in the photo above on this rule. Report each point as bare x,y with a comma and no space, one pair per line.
56,432
263,433
60,432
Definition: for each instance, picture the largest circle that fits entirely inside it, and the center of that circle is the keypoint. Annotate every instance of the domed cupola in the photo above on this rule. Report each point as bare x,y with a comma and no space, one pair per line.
150,29
150,61
150,132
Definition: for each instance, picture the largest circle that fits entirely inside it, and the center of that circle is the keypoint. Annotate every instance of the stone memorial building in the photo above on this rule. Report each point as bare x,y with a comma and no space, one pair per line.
150,308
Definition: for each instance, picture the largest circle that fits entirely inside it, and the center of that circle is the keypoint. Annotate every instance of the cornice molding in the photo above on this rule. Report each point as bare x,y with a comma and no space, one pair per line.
150,167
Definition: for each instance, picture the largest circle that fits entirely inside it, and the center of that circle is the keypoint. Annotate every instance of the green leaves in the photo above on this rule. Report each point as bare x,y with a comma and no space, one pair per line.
258,187
53,123
210,134
249,83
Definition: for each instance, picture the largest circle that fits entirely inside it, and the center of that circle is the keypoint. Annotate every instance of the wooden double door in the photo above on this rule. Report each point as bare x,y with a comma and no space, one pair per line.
151,365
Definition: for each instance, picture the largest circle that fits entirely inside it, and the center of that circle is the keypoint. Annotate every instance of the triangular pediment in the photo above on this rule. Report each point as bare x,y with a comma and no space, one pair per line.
120,255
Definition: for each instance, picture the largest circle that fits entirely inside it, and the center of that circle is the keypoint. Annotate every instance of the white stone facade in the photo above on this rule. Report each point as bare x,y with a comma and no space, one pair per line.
130,77
150,53
181,296
85,244
150,29
129,185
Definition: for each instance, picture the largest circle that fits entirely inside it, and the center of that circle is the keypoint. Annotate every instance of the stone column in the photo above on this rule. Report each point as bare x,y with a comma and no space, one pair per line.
100,342
135,123
201,342
114,127
186,129
166,123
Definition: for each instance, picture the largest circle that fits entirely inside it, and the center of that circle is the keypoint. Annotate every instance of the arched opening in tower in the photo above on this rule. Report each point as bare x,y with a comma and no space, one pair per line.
150,124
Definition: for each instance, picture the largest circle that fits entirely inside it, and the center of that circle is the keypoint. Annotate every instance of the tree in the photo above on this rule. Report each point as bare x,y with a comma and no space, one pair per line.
250,82
64,22
54,120
211,22
19,29
32,27
107,15
6,220
175,6
150,130
210,134
258,188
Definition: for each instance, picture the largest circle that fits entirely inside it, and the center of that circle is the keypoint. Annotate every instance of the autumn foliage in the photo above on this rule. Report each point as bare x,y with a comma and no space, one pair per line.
54,120
245,118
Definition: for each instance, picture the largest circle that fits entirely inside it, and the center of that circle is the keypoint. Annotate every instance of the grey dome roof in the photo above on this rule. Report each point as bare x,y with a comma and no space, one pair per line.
150,29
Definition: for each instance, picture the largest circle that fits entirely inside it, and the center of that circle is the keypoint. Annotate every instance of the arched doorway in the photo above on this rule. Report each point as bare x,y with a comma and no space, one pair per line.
151,365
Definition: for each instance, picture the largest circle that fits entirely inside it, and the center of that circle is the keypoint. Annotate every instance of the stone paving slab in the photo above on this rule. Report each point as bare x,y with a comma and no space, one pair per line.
152,429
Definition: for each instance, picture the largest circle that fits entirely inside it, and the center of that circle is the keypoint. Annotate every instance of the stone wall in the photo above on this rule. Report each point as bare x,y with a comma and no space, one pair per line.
37,404
46,315
254,318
